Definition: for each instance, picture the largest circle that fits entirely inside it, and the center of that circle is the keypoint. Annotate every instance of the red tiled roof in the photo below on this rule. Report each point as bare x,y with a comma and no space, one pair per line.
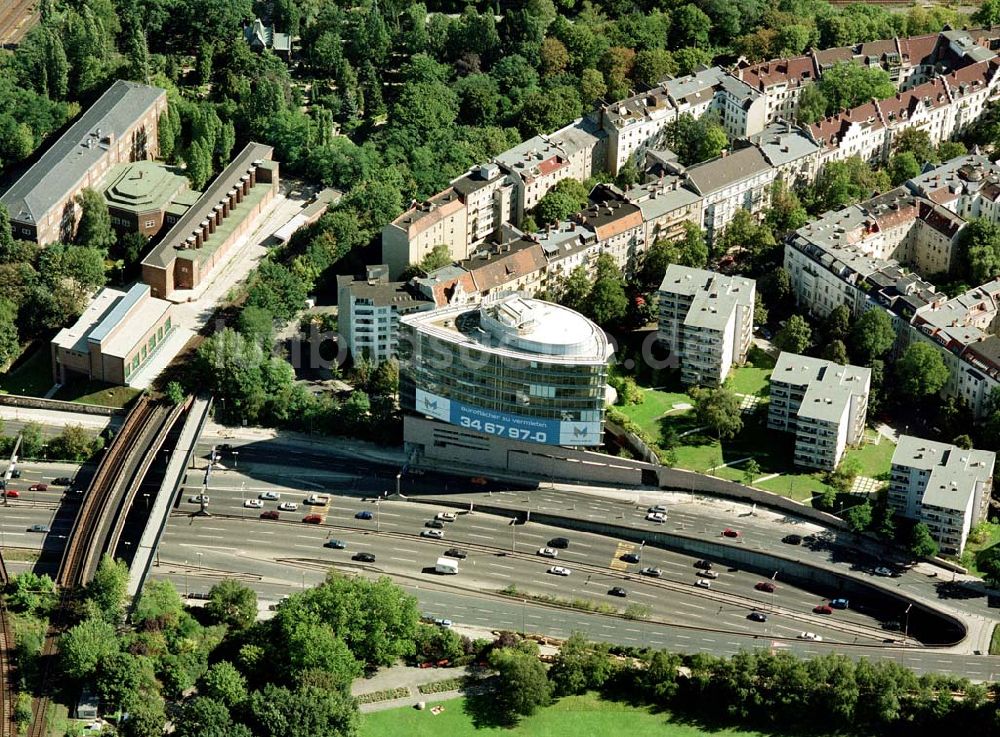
795,70
829,130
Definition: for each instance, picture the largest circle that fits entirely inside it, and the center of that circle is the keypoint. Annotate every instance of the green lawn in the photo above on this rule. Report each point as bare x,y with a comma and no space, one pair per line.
988,537
97,392
995,641
32,376
875,459
750,380
654,405
573,716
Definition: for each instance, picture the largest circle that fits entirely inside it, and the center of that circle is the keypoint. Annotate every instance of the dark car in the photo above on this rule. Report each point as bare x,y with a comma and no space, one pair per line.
765,586
559,542
792,539
730,532
16,473
364,514
38,487
706,564
364,557
335,544
630,557
757,617
313,519
270,514
617,591
62,481
456,553
434,523
840,603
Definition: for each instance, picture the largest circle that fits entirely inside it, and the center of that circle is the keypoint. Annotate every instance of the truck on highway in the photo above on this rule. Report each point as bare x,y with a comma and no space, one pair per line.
446,566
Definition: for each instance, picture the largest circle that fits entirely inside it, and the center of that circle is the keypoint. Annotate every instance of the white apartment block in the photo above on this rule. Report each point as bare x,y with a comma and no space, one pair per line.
823,403
443,219
707,320
945,487
488,194
738,180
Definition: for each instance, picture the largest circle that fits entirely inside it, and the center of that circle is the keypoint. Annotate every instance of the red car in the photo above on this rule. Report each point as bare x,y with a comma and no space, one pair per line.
38,487
13,493
765,586
822,609
269,514
479,481
728,532
312,519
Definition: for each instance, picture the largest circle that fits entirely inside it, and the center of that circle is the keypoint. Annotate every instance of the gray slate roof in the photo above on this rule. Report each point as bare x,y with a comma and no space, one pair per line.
61,169
725,170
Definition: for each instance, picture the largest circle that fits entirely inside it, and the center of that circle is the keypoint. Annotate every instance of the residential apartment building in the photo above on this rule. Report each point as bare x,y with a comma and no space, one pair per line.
946,487
665,205
368,312
441,220
734,181
790,151
707,321
823,403
121,126
489,197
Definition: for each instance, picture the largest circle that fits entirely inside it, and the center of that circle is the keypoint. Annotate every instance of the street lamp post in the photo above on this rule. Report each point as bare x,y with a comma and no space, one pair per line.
906,626
236,458
399,477
186,590
378,517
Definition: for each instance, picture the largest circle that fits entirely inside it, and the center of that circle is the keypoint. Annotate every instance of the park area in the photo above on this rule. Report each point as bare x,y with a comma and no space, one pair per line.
572,716
667,417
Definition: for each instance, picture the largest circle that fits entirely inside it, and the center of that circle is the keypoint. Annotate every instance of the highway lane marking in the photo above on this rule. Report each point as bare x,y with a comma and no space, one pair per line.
683,637
404,560
643,593
499,565
485,537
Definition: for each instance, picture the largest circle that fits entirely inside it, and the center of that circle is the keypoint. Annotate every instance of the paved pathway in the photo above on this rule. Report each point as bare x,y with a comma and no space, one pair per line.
410,678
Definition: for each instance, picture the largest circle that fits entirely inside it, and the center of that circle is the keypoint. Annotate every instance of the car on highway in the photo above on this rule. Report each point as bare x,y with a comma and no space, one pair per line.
706,564
657,509
442,622
253,504
313,519
62,481
288,507
658,517
617,591
559,542
270,514
446,516
270,496
558,571
765,586
317,499
456,553
363,514
757,617
335,544
13,493
548,552
840,603
364,557
651,572
708,574
478,481
16,473
882,571
792,539
822,609
730,532
38,487
199,499
704,583
434,523
810,636
39,528
436,534
629,557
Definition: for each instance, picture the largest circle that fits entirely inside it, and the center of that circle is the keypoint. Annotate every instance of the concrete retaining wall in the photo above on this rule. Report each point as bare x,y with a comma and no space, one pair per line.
57,405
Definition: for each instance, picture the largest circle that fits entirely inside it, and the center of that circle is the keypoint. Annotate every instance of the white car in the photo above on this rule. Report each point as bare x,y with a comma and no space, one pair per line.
317,499
445,516
548,552
558,571
200,499
288,506
253,504
703,583
657,509
658,517
882,571
810,636
436,534
270,496
708,574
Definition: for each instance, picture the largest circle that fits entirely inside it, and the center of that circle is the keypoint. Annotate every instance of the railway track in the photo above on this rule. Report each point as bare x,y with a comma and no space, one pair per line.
16,19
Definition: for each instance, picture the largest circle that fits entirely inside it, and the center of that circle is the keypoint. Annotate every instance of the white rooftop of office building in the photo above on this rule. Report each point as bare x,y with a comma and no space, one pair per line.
954,471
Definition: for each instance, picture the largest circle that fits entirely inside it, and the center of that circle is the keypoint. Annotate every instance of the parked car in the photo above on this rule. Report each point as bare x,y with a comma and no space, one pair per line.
617,591
62,481
446,516
434,523
441,622
757,617
456,553
313,519
709,574
253,504
630,557
335,544
882,571
39,528
730,532
658,517
657,509
792,539
364,557
270,496
436,534
269,514
706,564
810,636
288,506
199,499
38,487
363,514
13,493
704,583
548,552
840,603
558,571
651,572
559,542
822,609
318,499
765,586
